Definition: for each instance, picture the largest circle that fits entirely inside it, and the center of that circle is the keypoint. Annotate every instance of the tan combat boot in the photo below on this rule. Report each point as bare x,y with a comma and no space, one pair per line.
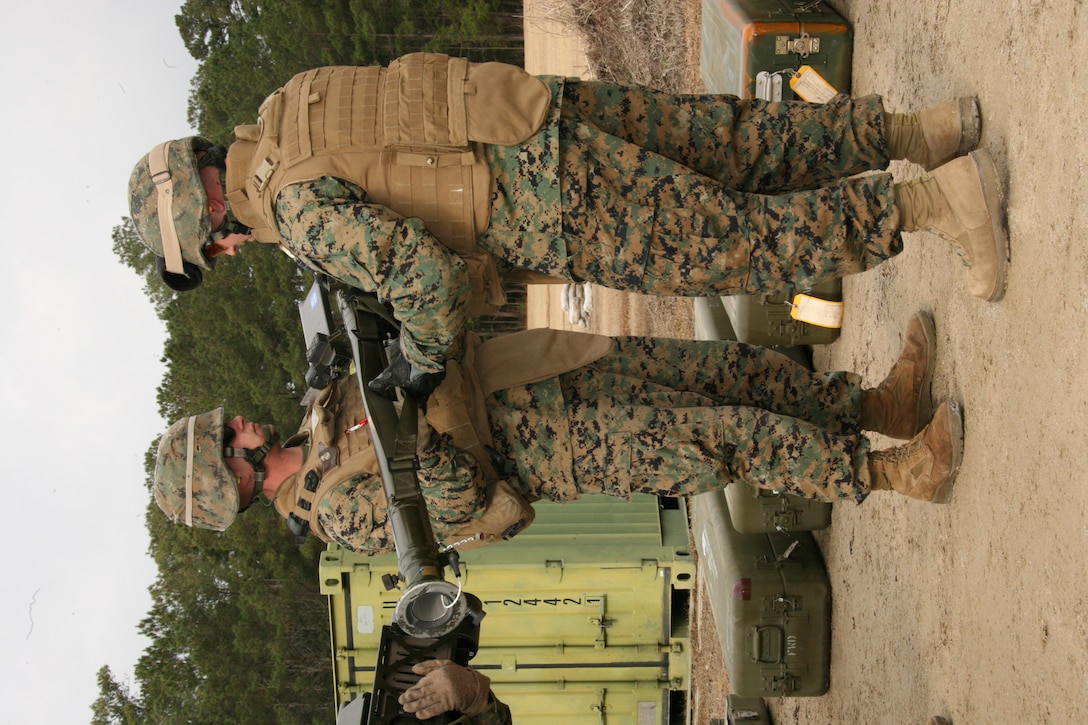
962,202
934,136
901,404
925,467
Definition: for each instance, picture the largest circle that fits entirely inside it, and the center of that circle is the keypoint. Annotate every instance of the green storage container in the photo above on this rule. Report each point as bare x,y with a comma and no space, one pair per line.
765,319
753,510
586,613
771,601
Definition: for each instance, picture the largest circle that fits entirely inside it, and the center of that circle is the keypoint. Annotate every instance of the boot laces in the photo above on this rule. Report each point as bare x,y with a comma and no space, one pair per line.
902,453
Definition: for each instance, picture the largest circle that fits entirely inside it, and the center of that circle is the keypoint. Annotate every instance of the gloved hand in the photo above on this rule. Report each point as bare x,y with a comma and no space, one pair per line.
446,687
577,301
402,374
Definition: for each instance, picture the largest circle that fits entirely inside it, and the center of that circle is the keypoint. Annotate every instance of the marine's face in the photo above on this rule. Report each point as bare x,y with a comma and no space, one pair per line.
217,207
217,211
232,243
246,435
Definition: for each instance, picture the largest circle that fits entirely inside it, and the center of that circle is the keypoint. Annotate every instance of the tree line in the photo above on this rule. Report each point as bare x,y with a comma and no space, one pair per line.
238,630
248,48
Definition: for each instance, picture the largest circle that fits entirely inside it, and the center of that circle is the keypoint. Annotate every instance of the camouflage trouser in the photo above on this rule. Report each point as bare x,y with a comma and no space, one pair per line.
696,195
681,417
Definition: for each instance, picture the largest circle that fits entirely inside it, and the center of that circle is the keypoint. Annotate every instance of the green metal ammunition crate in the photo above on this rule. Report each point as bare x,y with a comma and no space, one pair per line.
765,319
586,613
753,511
771,604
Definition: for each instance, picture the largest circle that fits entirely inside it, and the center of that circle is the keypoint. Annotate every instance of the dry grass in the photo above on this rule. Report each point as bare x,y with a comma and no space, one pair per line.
641,41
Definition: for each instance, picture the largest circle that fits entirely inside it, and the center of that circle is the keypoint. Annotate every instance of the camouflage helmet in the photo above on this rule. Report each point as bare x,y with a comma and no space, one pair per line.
193,484
165,185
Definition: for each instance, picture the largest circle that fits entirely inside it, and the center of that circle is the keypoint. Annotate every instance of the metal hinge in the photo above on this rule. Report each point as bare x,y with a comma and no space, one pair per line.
803,46
603,623
783,684
782,604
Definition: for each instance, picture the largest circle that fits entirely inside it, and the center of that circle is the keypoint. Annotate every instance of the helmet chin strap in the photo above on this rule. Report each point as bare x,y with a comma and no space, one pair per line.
230,226
255,458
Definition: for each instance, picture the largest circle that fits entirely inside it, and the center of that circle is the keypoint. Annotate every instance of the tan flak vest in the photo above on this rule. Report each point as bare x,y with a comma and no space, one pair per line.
411,135
456,408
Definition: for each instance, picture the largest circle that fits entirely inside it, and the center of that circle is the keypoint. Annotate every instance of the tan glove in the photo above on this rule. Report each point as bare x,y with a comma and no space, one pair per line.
446,686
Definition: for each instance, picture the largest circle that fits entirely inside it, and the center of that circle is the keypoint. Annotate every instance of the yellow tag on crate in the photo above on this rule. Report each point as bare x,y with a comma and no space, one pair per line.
815,311
810,86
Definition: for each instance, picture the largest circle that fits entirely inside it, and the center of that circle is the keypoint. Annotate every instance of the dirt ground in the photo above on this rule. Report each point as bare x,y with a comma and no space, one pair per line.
978,609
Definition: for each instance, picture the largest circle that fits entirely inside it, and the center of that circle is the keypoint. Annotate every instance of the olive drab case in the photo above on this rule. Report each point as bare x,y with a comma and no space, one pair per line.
755,49
753,510
765,319
771,601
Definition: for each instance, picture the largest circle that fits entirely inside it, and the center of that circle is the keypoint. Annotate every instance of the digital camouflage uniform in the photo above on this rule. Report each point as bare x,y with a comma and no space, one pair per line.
703,195
654,415
650,192
451,486
679,417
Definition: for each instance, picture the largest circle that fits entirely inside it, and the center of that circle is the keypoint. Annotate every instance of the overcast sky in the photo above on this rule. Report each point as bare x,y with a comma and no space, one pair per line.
91,87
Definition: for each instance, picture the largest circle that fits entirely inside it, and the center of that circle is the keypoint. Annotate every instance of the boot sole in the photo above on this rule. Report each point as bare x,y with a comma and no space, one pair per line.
925,403
994,194
970,125
955,430
970,133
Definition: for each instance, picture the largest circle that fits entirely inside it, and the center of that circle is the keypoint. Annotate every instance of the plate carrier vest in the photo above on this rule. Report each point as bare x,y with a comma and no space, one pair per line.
411,135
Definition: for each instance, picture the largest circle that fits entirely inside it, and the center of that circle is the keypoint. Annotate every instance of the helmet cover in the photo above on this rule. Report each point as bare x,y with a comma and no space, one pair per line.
189,211
192,482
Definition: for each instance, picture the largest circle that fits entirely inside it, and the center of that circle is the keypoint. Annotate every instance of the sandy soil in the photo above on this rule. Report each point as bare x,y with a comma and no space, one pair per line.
977,610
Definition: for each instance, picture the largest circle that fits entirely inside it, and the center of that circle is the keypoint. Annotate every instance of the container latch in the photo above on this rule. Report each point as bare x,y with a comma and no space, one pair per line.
804,46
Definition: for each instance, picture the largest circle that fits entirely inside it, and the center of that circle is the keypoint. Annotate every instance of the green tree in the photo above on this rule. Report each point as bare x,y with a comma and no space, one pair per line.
115,704
248,49
134,254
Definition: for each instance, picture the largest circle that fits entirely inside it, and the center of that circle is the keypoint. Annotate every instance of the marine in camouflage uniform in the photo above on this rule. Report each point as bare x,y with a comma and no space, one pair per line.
660,416
649,192
417,180
652,193
558,414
